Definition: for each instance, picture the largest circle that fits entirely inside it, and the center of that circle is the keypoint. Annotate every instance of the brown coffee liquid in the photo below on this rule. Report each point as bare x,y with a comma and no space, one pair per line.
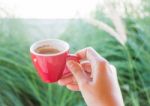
47,50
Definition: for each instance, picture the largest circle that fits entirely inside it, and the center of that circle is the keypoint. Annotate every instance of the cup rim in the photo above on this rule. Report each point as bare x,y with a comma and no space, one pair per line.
40,41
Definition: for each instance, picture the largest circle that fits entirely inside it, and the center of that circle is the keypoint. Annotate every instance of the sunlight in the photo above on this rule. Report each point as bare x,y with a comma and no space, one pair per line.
49,8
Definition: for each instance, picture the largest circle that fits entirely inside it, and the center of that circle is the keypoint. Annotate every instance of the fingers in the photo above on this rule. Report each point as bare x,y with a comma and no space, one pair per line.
70,79
95,59
89,54
100,71
86,66
66,75
77,72
73,87
113,68
69,83
82,54
66,80
114,71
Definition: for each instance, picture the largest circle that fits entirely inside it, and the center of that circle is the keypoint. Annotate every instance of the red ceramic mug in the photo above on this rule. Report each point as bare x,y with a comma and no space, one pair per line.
51,67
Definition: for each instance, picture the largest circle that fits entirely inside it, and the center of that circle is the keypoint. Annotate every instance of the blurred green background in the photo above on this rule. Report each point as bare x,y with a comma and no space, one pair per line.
20,84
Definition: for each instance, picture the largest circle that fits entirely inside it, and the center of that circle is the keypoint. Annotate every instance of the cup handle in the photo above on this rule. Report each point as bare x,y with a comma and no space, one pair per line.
70,57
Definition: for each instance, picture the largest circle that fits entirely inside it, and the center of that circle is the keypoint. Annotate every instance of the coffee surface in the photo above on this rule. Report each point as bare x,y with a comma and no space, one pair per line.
47,50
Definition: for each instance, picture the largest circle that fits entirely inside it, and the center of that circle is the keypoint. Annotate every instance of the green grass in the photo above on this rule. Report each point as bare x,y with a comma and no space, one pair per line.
21,86
131,60
19,83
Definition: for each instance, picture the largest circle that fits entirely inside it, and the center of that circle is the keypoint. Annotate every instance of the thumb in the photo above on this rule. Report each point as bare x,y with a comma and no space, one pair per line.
77,71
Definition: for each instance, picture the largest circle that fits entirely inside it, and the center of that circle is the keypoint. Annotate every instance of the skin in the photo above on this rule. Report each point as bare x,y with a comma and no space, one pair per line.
95,78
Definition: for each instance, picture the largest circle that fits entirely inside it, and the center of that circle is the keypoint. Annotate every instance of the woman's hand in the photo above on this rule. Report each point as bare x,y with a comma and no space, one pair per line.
95,78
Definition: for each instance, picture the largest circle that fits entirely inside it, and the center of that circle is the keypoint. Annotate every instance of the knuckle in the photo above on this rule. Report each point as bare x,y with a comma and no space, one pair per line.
89,49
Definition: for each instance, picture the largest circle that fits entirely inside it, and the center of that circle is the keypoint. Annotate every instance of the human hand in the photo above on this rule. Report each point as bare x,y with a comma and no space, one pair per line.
95,78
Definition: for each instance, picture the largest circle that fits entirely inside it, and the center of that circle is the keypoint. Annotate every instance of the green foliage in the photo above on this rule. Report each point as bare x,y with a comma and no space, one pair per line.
131,60
21,86
19,83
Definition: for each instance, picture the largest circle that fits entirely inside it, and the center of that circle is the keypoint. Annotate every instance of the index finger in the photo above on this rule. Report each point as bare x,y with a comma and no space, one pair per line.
96,61
89,54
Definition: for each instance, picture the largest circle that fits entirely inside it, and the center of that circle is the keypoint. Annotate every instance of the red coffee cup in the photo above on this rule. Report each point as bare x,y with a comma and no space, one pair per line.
51,67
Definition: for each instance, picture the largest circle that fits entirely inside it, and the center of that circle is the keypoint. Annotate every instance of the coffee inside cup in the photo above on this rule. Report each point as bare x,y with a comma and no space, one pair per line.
46,49
49,47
